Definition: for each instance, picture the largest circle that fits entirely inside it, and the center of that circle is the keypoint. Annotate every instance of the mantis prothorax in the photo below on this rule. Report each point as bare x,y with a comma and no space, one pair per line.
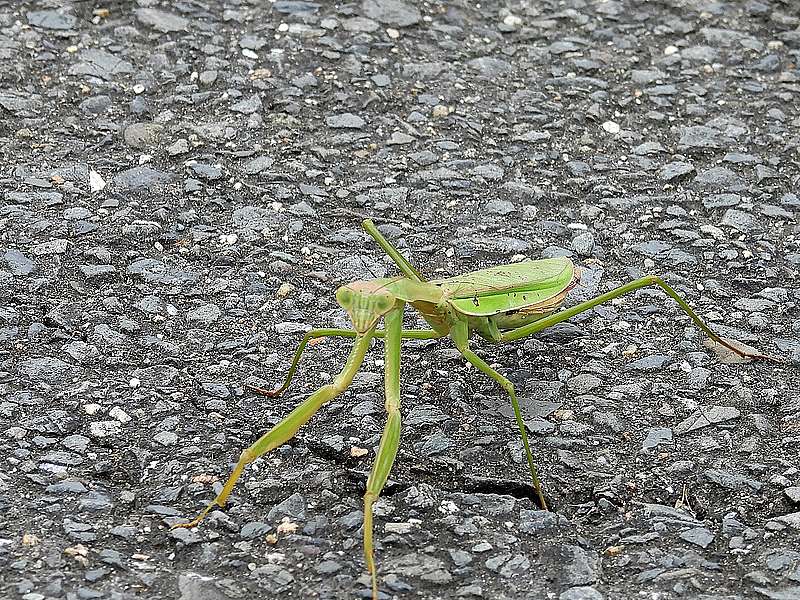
500,304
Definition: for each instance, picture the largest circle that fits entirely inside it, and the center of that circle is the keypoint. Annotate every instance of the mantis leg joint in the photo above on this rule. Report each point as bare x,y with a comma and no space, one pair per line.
338,387
247,456
507,386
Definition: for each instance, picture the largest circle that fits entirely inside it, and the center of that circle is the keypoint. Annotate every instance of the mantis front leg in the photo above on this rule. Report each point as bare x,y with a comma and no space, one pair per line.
288,427
387,450
313,334
416,334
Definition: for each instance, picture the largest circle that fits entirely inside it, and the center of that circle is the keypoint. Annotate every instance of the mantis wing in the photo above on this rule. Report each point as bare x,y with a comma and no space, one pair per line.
516,286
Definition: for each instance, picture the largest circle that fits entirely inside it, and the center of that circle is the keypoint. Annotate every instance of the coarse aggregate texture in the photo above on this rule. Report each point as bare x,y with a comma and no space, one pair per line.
181,187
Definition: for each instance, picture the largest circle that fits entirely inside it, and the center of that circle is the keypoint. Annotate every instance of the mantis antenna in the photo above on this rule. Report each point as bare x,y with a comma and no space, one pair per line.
406,267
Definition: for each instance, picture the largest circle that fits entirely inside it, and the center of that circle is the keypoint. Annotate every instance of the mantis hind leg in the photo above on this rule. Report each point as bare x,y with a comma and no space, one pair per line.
460,336
417,334
648,280
289,426
387,450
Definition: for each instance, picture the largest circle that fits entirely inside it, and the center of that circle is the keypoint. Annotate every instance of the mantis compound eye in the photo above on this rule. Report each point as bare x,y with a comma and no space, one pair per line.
384,303
344,297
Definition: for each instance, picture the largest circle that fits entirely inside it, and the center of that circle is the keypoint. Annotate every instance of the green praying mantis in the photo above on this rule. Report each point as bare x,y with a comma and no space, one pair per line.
500,304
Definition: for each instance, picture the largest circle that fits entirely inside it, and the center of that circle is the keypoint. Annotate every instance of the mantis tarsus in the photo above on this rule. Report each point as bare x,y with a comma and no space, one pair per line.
500,304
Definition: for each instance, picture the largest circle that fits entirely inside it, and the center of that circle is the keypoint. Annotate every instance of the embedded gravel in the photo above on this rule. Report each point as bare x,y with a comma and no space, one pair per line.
181,187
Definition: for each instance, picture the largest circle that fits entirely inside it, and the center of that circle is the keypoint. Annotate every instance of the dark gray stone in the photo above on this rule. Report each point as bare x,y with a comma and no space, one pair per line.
160,20
731,481
95,62
51,19
141,178
18,263
657,437
345,121
391,12
581,592
699,536
294,507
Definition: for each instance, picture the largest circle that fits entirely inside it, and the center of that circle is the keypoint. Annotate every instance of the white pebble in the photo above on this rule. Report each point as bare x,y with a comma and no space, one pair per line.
104,428
670,50
138,88
16,433
166,438
400,528
119,414
611,127
284,290
134,383
96,181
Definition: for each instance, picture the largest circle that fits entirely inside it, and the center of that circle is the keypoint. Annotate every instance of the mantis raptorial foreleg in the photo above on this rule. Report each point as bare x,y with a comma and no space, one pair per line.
648,280
288,427
460,336
417,334
313,334
387,450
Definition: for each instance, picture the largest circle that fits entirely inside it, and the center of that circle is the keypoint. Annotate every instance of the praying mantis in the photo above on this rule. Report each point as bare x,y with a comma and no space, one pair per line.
499,304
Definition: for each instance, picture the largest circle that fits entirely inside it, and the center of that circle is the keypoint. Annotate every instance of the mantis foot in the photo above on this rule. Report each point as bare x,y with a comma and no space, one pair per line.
730,350
266,392
196,521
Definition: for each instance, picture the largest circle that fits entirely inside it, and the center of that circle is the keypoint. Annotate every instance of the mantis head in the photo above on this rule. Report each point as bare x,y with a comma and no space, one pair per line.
366,302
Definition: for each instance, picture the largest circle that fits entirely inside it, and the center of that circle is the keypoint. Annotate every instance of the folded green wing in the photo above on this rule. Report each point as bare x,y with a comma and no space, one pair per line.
508,287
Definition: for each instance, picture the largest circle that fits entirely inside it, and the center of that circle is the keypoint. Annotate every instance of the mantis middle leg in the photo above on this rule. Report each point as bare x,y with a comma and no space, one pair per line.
289,426
387,450
460,335
416,334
